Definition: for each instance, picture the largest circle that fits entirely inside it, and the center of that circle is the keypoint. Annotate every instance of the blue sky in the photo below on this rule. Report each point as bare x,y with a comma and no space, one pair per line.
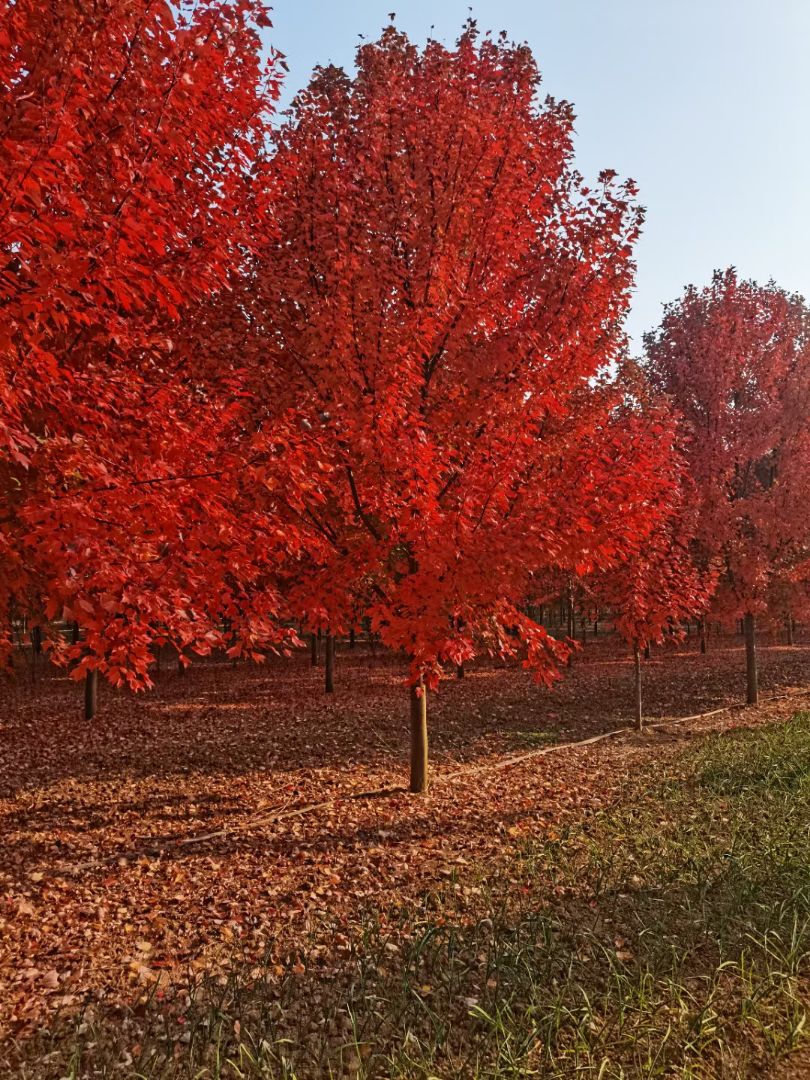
705,103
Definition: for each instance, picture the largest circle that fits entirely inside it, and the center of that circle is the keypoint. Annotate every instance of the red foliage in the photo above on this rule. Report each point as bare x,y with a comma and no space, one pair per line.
130,131
735,358
365,374
663,584
437,309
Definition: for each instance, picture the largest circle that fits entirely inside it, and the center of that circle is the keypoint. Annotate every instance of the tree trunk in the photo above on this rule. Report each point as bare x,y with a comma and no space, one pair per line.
329,685
36,649
571,628
637,670
74,633
791,635
647,653
351,638
596,628
90,694
419,738
459,671
313,649
751,659
702,626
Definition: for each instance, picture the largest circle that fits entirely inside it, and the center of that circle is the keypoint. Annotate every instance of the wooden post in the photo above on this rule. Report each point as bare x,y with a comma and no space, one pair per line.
419,738
752,681
637,669
90,694
330,664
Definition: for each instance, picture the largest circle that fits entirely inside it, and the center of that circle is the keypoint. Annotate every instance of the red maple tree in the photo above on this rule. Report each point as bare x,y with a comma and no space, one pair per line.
441,299
735,359
131,132
665,583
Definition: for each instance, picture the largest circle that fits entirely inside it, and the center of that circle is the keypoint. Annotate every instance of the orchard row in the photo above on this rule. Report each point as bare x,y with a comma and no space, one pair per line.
362,361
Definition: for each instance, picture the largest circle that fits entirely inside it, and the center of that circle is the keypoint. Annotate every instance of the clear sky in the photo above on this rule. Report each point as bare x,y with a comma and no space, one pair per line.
705,103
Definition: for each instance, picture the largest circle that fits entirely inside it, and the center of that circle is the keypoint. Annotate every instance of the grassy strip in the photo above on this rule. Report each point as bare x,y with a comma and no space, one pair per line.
670,937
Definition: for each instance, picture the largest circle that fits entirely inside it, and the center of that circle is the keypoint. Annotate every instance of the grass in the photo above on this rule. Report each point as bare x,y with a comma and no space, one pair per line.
531,740
669,937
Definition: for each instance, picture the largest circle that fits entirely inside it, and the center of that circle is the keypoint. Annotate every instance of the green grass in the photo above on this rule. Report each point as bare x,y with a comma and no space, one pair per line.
668,938
522,740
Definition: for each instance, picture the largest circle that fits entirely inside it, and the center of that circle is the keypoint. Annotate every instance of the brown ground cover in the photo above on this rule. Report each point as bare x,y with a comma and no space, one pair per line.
167,832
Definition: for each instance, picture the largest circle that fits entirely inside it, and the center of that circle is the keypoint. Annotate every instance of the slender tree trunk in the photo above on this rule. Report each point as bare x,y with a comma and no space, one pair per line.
419,738
460,627
329,685
351,637
571,628
596,628
36,649
647,653
90,694
313,649
702,626
752,681
637,672
74,633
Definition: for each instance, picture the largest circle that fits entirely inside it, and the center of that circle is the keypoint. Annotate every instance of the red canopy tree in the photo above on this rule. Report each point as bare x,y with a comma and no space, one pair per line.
735,359
130,133
664,583
442,296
